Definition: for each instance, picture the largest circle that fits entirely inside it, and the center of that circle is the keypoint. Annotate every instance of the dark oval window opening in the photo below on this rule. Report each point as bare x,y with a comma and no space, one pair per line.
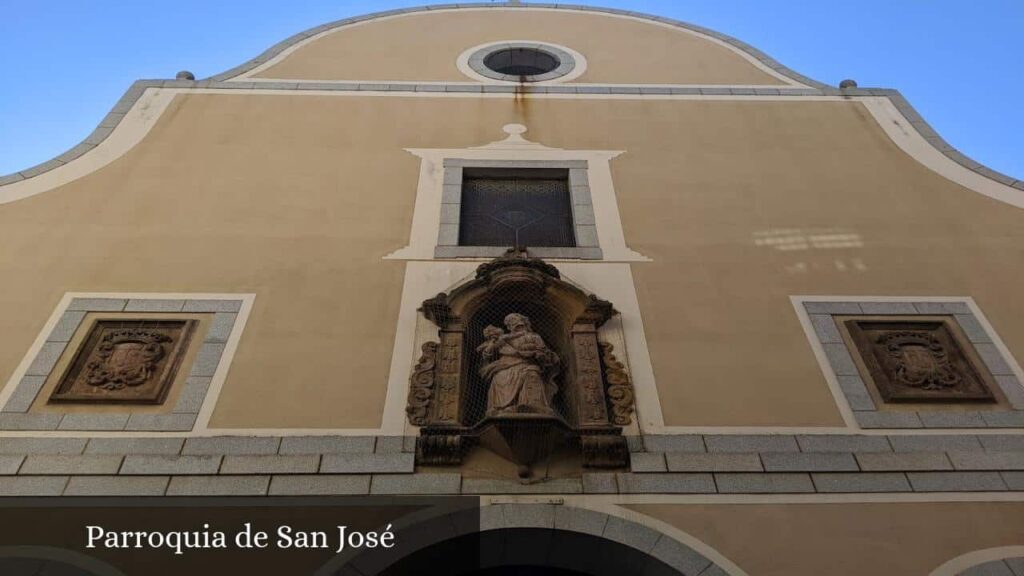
521,62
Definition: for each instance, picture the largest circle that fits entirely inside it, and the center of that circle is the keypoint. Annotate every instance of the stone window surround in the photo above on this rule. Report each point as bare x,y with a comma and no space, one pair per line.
201,388
584,227
818,315
567,63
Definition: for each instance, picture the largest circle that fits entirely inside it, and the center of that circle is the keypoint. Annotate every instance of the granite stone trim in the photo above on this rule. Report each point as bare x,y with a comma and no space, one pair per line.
1004,567
566,63
218,486
866,413
698,462
15,415
323,484
600,483
584,226
349,465
442,483
675,554
509,486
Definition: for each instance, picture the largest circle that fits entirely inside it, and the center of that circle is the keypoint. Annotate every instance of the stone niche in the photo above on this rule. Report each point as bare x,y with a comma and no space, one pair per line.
519,369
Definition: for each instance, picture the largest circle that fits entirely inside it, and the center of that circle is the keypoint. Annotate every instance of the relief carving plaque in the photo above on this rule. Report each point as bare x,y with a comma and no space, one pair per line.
919,361
125,361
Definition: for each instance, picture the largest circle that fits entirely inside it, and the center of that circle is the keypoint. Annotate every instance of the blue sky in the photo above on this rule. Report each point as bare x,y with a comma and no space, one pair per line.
959,63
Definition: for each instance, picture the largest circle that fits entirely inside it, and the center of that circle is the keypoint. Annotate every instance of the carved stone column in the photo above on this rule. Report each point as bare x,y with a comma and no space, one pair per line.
449,372
589,395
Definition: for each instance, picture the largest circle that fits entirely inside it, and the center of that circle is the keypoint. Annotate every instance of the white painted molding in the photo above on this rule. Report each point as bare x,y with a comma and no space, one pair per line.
129,132
904,135
784,80
427,209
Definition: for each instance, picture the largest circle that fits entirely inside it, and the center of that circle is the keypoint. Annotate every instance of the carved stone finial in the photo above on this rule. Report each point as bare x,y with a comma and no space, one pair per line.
848,84
514,140
597,312
184,75
514,130
437,310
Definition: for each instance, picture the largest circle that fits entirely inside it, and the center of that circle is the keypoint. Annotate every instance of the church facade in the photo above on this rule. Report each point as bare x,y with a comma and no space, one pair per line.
611,274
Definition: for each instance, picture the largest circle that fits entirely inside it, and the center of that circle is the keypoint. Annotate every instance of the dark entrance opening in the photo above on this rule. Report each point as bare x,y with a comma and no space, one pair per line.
529,552
526,571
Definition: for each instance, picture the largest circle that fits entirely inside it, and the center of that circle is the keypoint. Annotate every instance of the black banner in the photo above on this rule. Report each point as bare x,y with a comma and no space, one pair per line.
226,535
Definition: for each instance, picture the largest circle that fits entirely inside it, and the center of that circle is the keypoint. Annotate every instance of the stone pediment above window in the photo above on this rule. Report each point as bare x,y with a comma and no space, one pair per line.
478,202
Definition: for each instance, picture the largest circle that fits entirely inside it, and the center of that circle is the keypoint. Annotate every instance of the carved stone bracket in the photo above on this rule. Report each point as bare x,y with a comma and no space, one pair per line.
439,449
604,450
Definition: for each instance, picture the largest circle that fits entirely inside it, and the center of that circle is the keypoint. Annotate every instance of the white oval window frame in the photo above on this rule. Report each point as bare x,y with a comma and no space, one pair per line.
572,63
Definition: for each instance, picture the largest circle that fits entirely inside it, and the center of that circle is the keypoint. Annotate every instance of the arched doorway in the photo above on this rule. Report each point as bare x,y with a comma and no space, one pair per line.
513,539
530,552
16,560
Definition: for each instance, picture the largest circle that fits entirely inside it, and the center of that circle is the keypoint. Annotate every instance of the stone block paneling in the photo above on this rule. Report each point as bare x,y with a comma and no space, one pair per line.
15,414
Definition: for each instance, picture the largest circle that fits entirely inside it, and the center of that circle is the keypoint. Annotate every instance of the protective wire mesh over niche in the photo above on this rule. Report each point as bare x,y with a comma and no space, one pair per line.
518,368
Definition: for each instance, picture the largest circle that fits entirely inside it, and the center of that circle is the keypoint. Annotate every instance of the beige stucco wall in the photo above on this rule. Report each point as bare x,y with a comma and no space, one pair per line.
239,194
424,47
297,198
848,539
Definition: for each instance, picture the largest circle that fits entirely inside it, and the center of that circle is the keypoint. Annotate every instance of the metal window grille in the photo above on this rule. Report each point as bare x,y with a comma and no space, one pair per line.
516,207
521,61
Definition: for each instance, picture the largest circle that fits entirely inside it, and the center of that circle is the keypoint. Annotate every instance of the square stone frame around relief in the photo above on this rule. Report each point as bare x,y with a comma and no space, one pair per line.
162,397
205,365
871,372
584,224
837,359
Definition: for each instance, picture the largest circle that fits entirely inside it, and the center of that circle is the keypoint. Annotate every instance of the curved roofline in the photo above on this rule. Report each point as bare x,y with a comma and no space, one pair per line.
276,49
223,80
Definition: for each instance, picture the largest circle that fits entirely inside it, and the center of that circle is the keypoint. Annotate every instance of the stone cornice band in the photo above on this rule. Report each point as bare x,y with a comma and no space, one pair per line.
661,464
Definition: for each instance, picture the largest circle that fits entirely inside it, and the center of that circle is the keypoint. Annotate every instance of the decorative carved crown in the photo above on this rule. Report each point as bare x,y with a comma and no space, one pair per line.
136,335
517,256
896,340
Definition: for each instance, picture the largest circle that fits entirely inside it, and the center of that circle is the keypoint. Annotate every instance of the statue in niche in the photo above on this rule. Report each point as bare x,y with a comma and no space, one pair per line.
520,369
